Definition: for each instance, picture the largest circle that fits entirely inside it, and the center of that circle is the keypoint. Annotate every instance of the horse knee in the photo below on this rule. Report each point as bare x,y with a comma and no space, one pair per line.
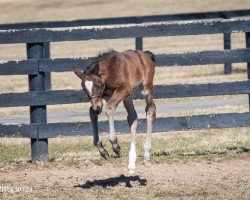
110,110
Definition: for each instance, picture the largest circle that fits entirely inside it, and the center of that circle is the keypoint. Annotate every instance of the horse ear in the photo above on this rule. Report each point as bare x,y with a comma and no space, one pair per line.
78,72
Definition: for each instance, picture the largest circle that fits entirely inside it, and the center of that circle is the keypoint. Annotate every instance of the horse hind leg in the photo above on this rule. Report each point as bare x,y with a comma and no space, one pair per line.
132,121
151,115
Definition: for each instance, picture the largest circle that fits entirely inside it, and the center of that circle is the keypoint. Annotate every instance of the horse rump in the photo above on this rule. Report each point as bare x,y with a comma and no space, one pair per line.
151,55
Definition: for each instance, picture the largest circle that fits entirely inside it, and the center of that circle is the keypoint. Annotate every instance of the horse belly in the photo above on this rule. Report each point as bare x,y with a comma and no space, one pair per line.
135,78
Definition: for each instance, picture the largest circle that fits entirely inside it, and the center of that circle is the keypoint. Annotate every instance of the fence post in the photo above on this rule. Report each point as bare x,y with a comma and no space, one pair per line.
139,43
138,40
227,45
39,147
47,74
248,64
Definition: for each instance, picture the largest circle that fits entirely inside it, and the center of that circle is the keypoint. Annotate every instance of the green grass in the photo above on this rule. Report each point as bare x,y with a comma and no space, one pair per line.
166,147
14,152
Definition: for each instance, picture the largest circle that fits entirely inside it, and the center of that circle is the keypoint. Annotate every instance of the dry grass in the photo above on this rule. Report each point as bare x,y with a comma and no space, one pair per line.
170,147
16,10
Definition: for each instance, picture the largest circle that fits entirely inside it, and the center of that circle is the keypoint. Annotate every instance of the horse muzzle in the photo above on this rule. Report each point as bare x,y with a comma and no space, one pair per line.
97,110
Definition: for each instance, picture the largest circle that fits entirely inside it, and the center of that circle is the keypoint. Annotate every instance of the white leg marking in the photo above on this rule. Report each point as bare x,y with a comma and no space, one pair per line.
89,85
147,144
112,134
132,157
147,148
145,92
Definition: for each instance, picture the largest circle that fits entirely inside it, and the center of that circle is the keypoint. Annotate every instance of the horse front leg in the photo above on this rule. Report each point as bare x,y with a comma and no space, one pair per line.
112,135
96,141
119,95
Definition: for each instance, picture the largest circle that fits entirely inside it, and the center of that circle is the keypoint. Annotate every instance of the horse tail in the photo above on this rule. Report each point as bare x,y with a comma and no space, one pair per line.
151,55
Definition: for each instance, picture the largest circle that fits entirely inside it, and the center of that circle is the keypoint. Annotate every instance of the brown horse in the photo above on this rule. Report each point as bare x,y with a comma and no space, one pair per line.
114,76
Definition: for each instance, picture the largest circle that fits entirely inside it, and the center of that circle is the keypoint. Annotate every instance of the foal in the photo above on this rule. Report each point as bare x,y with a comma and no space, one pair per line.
114,76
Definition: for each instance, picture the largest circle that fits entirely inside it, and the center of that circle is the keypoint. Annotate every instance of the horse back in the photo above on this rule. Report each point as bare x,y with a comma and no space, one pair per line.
129,69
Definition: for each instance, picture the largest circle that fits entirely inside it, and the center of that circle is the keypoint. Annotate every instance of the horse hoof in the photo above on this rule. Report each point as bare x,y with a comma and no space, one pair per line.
117,149
117,152
104,154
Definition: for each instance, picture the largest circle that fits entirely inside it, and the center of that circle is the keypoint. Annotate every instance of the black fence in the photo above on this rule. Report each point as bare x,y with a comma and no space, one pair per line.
136,20
38,64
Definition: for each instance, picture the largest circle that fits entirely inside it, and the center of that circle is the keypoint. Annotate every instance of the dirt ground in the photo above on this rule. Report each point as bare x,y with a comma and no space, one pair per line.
88,179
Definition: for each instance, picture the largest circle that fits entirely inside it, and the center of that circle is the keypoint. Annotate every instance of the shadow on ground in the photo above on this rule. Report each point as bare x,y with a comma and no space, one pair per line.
113,182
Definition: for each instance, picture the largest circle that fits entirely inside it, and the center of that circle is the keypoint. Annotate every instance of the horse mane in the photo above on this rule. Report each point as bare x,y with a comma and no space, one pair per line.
94,67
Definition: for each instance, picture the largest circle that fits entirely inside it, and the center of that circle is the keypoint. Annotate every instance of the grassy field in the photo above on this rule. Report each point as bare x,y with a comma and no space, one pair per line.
202,164
170,147
216,159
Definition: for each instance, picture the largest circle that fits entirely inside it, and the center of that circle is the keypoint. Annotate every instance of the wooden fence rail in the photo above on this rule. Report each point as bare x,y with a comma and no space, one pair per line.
51,130
38,64
211,26
33,66
37,98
